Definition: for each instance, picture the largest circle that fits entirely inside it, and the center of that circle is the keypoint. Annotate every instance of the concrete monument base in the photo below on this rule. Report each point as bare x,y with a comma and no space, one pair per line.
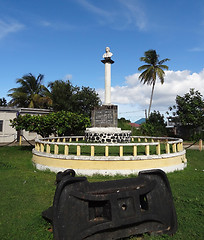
107,135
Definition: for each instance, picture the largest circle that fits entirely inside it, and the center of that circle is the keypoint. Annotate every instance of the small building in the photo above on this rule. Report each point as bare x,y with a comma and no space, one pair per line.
183,131
135,125
9,134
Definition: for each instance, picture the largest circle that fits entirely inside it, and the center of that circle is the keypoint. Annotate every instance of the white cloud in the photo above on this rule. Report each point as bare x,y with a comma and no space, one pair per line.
135,95
57,25
68,77
10,26
96,10
135,13
125,14
197,49
45,23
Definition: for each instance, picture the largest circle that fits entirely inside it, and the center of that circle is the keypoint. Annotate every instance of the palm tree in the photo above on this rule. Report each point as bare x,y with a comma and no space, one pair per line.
3,102
152,69
31,93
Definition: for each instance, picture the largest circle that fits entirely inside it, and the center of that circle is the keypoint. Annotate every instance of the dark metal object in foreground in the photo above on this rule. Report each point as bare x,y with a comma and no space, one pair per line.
111,209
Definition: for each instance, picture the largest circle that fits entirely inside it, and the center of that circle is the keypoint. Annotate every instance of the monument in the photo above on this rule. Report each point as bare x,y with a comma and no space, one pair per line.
107,61
104,119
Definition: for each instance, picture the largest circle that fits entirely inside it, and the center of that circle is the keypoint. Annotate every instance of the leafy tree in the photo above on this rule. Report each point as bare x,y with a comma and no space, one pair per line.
3,102
152,69
85,101
67,97
154,125
124,124
190,108
189,111
62,93
31,93
58,123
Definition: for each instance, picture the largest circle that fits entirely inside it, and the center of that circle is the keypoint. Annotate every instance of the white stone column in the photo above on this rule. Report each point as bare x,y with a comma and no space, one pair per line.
107,100
107,61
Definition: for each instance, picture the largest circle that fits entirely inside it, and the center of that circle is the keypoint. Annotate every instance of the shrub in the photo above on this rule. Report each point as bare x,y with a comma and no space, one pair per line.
58,123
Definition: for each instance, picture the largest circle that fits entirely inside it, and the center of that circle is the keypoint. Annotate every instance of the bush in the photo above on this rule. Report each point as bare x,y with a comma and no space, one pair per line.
58,123
154,126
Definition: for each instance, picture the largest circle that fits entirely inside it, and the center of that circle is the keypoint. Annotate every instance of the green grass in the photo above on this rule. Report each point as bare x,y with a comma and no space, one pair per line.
25,192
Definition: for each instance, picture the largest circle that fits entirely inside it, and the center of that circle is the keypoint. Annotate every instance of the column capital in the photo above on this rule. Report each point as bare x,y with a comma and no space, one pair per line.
107,60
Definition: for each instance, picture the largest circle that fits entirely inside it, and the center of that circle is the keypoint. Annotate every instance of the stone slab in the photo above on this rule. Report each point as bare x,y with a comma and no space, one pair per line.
105,116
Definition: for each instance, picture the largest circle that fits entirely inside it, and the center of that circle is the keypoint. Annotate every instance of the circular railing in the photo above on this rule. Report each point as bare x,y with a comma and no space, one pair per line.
140,145
142,153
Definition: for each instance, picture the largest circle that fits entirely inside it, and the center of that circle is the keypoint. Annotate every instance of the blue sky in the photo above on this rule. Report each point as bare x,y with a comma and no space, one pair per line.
66,40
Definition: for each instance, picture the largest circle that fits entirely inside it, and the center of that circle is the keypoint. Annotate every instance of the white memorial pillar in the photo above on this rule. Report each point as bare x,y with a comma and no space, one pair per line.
107,61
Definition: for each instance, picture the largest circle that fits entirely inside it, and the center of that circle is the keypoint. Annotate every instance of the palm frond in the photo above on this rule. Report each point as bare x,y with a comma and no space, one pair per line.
163,67
30,91
143,67
163,60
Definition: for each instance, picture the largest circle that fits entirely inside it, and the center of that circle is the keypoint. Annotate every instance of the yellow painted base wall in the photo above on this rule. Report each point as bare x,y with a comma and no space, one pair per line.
92,165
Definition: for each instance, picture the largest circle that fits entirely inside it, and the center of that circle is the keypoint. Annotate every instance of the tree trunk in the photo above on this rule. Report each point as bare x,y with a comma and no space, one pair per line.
150,104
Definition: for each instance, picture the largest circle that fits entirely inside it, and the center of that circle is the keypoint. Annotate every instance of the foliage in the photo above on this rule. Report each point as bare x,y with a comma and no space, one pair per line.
190,108
61,93
189,111
3,102
26,192
154,125
31,93
85,100
57,123
153,68
124,125
67,97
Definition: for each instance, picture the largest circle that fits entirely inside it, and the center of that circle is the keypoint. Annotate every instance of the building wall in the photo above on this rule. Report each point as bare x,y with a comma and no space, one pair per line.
9,134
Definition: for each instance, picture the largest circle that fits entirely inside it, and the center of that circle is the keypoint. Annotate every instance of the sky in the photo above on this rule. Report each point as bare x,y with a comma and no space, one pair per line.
66,39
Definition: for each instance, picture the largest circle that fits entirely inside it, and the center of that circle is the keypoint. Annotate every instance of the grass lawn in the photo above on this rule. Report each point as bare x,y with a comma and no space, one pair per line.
25,192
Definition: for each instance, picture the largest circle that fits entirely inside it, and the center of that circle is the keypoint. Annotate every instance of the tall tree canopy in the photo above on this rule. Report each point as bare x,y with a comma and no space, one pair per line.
188,114
152,69
189,109
67,97
59,95
154,125
31,93
85,100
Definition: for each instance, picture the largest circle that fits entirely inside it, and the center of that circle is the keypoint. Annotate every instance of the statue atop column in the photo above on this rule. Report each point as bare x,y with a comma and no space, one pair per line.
104,119
107,61
107,54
